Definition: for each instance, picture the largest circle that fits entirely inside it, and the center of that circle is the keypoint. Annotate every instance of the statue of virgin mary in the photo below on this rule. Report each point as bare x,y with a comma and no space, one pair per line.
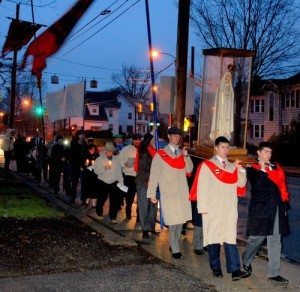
222,123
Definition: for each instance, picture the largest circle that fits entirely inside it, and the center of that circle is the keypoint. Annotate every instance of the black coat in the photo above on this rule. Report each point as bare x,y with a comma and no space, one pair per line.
265,198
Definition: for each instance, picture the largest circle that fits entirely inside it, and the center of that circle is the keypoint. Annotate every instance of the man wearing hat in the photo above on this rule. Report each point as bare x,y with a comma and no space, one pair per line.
169,169
127,158
108,169
119,143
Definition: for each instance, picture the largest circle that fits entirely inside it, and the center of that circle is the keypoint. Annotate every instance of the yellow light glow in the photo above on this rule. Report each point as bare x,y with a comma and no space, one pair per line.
154,53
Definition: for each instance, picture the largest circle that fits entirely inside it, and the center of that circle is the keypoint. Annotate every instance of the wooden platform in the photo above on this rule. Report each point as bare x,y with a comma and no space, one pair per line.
207,152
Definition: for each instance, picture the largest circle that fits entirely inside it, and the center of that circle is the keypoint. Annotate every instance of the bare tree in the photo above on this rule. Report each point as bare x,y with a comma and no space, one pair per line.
133,82
267,27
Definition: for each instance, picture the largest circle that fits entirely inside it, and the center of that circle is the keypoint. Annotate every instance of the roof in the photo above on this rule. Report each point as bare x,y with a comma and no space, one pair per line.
293,80
108,99
101,117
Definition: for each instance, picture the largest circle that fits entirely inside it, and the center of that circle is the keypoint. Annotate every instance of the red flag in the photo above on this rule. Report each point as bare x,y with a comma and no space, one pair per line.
51,39
19,34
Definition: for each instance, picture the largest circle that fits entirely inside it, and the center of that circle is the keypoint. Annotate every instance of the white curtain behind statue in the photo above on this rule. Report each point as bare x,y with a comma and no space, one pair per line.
222,123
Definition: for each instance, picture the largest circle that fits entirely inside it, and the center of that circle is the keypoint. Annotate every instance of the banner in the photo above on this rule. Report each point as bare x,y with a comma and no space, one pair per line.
65,103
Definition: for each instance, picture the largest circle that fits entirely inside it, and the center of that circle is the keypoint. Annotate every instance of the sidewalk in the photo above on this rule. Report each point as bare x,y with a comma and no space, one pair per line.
127,232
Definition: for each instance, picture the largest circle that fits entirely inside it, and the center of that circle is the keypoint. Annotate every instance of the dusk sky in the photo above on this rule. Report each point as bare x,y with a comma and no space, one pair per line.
123,41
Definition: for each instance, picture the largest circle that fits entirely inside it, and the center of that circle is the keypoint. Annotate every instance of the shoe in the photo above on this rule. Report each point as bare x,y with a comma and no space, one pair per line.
279,279
199,251
113,221
218,273
247,268
154,232
177,255
99,217
238,275
145,234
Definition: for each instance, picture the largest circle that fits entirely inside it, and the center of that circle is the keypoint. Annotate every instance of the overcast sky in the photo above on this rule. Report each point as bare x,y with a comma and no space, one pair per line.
123,41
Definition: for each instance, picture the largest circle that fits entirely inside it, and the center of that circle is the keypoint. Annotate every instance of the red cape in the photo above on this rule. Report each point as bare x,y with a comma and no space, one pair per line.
221,174
277,176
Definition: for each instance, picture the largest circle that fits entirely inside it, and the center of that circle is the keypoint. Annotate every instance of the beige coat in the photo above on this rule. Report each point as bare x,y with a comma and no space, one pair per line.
173,187
217,201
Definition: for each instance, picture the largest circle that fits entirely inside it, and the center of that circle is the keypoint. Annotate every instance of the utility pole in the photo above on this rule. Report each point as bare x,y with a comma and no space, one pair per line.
11,119
181,62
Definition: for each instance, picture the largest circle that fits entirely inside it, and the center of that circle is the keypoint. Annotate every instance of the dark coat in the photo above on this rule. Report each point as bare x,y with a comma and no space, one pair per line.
265,198
145,161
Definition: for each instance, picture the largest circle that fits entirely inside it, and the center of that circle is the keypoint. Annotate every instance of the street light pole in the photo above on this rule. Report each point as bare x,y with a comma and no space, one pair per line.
11,119
151,71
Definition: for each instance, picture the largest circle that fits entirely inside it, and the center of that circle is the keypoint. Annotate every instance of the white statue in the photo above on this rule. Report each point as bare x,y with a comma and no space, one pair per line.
222,123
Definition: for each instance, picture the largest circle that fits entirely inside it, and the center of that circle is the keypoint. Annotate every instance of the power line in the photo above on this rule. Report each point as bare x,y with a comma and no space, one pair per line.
84,65
101,28
107,8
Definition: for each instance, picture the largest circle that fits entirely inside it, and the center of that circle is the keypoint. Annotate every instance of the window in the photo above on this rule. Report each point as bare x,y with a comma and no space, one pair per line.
258,131
120,129
287,99
297,98
110,126
283,100
140,116
129,129
146,117
96,128
110,113
293,99
129,116
257,105
94,110
271,106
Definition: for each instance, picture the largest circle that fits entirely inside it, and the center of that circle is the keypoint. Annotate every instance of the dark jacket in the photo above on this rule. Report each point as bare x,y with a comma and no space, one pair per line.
264,201
145,160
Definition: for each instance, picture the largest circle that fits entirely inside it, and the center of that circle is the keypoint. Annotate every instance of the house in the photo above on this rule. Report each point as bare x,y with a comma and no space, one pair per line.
135,116
110,110
101,112
273,107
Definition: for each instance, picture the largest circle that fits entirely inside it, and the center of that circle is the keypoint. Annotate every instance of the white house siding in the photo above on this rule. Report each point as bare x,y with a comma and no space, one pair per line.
114,120
123,115
271,127
282,116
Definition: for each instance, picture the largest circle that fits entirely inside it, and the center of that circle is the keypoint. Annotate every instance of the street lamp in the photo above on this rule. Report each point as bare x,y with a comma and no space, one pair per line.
155,53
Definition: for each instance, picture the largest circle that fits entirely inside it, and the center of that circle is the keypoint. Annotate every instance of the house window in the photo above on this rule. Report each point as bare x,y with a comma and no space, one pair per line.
258,131
129,116
258,106
140,116
94,110
120,129
110,113
297,98
283,100
271,106
146,117
293,99
96,128
287,99
110,126
129,129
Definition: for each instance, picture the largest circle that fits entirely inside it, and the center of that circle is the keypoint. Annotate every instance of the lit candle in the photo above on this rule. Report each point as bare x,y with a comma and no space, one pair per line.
93,162
87,162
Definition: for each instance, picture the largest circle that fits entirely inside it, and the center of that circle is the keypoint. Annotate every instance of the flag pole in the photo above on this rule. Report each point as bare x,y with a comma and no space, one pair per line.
39,83
153,97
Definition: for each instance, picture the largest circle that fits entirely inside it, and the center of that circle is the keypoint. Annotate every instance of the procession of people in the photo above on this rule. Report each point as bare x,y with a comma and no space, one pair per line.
120,173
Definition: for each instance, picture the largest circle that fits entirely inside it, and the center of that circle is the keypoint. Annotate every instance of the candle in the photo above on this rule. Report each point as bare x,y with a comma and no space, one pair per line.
87,162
